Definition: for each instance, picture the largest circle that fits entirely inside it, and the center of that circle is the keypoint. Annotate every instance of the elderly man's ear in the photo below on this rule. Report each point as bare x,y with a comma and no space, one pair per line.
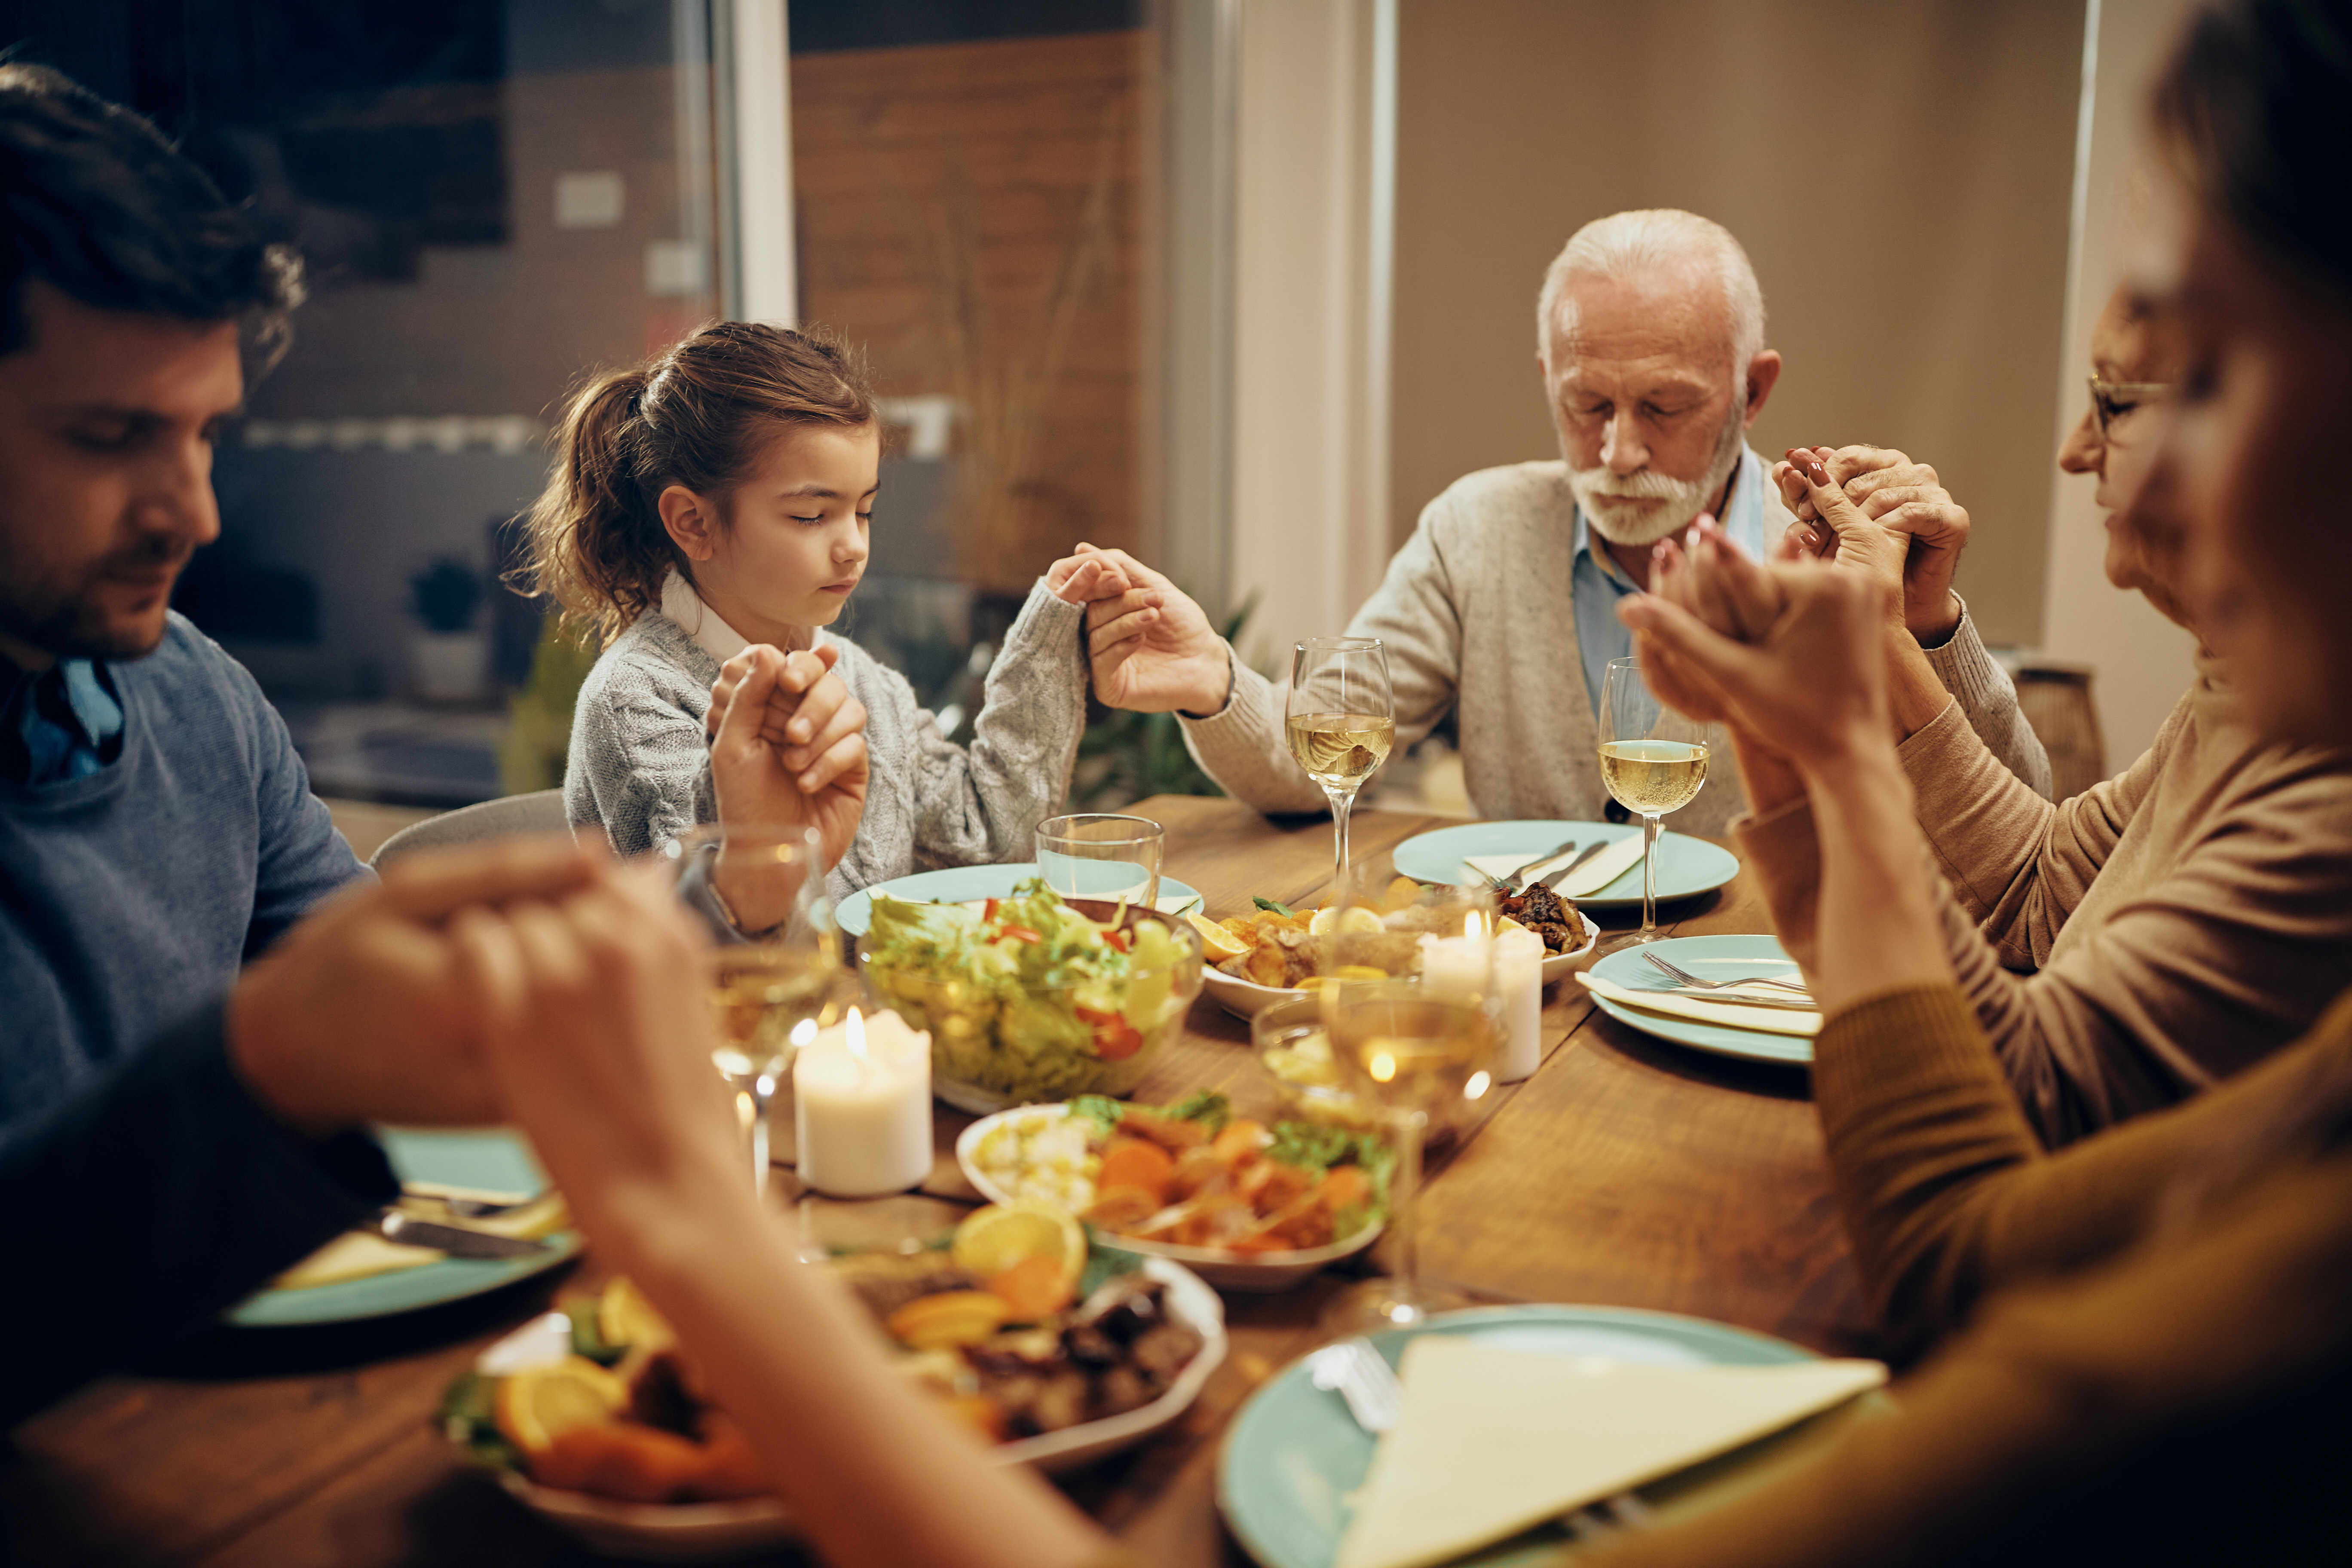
1763,375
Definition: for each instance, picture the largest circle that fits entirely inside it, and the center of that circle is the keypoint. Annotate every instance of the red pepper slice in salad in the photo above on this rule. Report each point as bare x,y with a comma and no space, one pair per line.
1116,1040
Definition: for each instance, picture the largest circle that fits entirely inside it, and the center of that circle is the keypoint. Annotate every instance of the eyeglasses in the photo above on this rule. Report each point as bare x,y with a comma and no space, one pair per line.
2110,400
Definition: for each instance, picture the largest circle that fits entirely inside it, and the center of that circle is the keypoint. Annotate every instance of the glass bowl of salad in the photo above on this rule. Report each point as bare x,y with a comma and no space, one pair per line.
1031,998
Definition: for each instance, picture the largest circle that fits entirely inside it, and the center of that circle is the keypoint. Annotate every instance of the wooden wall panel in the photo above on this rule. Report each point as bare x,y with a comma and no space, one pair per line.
940,173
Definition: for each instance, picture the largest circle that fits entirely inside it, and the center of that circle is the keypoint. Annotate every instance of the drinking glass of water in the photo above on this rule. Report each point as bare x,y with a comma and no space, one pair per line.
1102,856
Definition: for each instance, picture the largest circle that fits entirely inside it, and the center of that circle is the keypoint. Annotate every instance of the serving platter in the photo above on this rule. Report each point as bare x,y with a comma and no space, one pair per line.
1249,1273
718,1532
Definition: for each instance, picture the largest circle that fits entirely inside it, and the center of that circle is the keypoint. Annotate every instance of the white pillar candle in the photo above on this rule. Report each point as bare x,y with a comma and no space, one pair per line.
1458,963
861,1106
1519,982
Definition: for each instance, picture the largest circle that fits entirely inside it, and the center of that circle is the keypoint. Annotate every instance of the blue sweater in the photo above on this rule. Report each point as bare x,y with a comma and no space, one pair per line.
137,1173
129,898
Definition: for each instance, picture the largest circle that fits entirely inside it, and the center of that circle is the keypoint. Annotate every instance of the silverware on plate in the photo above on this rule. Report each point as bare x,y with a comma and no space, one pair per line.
1696,983
456,1240
1557,877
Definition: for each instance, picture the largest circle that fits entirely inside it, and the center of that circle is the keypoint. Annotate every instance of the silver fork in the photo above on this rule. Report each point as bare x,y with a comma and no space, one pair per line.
1362,1377
1693,981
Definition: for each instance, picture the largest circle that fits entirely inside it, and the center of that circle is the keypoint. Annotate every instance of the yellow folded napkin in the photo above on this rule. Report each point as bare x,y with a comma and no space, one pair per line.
1801,1021
354,1255
1490,1441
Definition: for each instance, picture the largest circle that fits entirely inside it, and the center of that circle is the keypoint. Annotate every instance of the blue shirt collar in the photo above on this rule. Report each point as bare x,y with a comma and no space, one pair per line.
1596,583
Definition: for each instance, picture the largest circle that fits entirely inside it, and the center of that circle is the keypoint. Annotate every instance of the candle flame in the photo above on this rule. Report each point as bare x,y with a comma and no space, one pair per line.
854,1035
1478,1085
1383,1068
1470,923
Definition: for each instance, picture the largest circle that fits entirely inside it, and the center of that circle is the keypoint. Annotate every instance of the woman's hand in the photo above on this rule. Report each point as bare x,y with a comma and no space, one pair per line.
812,769
1809,679
1905,499
598,1036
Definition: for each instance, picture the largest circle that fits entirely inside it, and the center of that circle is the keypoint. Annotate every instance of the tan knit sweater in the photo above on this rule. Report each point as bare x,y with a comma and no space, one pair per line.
2172,925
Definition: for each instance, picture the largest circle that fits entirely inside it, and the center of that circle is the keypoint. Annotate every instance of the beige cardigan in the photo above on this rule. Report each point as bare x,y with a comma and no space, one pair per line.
1477,612
2172,925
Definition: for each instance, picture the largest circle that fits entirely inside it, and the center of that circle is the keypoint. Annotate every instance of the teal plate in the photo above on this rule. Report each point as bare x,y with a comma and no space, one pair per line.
1686,866
1294,1454
958,884
1710,958
493,1160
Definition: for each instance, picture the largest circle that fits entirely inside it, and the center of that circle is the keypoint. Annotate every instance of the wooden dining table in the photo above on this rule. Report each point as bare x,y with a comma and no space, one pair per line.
1626,1171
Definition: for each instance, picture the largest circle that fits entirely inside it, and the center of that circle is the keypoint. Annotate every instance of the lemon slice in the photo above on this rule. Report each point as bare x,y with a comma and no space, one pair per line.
624,1317
1508,923
1217,942
993,1239
536,1407
1357,920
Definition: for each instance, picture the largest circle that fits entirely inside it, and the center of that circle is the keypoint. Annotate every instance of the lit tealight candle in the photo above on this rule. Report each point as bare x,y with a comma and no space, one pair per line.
861,1106
1463,964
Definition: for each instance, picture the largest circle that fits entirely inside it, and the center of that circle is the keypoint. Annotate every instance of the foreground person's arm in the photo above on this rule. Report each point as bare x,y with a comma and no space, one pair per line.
2126,1415
1942,1184
594,1009
229,1149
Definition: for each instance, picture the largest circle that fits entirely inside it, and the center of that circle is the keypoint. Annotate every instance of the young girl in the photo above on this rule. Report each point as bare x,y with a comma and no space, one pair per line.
717,498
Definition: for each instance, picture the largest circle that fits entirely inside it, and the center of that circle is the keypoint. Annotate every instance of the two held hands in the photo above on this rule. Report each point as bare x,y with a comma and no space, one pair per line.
1151,648
526,980
1873,509
788,744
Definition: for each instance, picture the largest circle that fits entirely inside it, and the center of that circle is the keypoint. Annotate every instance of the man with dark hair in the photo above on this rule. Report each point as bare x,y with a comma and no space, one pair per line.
175,1124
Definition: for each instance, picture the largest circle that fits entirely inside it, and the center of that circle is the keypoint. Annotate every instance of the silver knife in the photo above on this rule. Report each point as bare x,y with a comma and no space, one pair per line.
457,1242
1557,877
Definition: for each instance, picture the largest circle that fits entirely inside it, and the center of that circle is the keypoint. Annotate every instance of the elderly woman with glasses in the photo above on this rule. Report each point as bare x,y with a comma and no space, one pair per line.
2133,945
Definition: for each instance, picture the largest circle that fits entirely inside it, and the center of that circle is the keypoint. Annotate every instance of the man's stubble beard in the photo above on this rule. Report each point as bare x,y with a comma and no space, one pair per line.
70,624
1682,500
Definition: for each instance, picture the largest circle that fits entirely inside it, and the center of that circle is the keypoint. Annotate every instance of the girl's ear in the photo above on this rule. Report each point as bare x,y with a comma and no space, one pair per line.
690,522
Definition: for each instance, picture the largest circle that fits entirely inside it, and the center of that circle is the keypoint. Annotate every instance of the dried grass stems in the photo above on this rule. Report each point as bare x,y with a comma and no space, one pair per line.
1001,361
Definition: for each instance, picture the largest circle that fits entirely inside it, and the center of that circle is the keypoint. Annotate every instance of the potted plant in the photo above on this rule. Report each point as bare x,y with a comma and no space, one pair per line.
450,655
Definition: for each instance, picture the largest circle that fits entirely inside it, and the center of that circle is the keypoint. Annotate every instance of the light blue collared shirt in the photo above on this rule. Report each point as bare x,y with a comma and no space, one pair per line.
1597,582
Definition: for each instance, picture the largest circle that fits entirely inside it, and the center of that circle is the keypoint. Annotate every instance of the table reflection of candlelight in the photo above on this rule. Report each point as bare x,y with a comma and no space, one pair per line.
861,1106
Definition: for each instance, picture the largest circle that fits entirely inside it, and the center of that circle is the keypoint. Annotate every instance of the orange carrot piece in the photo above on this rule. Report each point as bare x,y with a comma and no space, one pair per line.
1346,1187
1132,1163
1240,1142
1035,1288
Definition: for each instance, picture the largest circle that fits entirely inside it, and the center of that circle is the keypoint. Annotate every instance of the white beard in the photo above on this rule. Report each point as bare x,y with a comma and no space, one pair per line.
1644,507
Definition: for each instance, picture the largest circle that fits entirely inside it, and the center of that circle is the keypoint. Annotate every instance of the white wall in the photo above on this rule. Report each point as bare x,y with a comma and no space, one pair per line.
2141,660
1314,120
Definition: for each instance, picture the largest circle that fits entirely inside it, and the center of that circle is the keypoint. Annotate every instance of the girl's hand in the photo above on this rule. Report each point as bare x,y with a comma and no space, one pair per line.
1813,682
1151,648
1083,578
819,779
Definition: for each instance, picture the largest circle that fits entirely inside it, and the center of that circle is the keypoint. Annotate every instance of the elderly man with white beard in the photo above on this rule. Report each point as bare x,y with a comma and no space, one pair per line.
1503,603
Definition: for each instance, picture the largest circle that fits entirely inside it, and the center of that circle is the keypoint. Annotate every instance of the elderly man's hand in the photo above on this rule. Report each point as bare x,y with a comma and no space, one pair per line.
356,1016
1907,499
1151,648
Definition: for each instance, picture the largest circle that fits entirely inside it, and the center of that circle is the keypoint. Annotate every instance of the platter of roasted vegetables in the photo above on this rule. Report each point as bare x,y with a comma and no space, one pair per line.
1247,1205
1056,1351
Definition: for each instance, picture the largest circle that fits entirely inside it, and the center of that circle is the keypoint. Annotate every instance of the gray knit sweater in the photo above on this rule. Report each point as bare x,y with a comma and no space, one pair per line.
640,765
1477,614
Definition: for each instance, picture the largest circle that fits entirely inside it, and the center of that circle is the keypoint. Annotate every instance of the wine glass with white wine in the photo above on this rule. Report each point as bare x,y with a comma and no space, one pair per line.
1341,722
1653,761
1419,1050
772,985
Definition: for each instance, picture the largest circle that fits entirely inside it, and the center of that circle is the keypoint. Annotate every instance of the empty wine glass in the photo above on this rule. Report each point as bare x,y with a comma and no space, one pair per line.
1653,761
1341,722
